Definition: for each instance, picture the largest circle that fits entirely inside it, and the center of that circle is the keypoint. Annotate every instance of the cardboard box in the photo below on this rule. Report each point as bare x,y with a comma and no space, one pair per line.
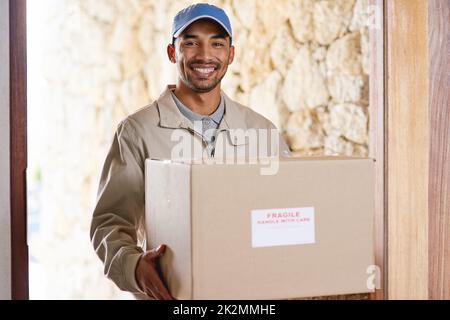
233,233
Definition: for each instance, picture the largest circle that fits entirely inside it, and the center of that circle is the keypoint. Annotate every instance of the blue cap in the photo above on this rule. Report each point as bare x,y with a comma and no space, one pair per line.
200,11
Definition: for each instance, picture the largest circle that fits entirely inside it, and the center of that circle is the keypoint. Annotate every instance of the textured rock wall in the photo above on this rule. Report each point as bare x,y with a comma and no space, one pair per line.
301,63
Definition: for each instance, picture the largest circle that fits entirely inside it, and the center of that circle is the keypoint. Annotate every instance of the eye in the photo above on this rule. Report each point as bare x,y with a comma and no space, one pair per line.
189,43
218,44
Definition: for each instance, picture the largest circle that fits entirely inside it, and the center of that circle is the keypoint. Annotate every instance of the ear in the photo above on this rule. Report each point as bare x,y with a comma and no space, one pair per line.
171,53
231,57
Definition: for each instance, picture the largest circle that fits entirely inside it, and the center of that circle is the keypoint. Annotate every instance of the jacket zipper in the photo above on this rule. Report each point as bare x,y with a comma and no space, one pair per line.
204,143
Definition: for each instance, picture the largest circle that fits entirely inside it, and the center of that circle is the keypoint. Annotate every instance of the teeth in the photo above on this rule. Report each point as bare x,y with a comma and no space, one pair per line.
204,70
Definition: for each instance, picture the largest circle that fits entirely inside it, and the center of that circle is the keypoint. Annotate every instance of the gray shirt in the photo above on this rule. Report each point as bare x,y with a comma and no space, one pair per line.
209,124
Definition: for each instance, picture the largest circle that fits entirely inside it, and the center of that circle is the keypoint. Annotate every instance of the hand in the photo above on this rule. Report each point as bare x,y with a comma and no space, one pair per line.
147,275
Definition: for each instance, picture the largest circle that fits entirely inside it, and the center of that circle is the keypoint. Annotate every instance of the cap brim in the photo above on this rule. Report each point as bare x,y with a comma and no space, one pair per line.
187,24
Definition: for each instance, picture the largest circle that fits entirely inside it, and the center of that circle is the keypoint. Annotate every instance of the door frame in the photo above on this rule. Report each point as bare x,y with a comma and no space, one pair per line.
18,140
439,154
418,148
18,149
377,142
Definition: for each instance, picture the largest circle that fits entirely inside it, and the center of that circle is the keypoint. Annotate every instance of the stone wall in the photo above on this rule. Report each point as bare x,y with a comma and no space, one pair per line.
301,63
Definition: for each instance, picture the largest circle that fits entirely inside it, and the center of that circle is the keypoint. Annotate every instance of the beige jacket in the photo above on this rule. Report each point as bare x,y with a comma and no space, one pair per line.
117,231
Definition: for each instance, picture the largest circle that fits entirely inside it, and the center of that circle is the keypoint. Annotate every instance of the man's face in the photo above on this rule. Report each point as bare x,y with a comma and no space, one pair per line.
202,54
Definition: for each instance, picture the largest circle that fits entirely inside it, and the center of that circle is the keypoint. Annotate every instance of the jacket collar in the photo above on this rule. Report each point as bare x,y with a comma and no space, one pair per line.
171,117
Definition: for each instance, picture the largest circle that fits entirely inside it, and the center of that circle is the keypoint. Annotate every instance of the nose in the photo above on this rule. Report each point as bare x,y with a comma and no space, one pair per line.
204,52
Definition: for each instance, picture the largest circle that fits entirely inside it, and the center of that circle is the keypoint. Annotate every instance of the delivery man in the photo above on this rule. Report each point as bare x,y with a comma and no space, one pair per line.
202,49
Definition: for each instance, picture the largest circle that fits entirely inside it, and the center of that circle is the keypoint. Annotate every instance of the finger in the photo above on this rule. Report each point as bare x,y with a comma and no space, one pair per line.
157,252
162,290
164,296
156,285
160,250
152,292
161,294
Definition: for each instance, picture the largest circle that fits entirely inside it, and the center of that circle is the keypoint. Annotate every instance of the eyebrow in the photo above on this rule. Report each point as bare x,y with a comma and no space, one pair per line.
219,36
216,36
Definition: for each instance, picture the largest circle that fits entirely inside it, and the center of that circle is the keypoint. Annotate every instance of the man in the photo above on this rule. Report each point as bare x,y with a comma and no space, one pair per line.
195,109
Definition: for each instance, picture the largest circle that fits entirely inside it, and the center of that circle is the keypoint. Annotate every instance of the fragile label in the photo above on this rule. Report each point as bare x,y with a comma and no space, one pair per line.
282,227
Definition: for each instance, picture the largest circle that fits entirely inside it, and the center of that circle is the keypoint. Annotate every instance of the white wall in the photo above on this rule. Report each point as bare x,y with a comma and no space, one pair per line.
5,231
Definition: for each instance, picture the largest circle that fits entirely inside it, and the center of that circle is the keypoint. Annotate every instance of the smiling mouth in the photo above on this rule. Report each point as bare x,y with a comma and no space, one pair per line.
203,72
